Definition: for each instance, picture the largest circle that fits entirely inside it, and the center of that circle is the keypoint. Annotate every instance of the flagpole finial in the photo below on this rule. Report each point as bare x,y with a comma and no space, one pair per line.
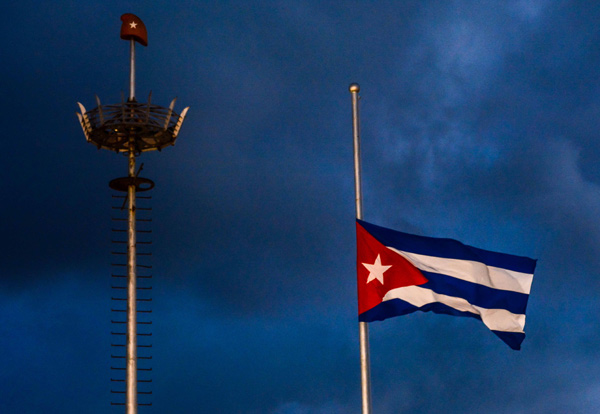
354,87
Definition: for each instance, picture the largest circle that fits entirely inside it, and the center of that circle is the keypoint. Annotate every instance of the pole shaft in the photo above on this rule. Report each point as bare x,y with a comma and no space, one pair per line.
365,367
132,70
131,292
363,328
356,136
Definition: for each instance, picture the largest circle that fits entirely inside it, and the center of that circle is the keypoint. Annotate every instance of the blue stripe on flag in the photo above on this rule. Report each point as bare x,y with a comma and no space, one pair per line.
512,339
476,294
448,248
398,307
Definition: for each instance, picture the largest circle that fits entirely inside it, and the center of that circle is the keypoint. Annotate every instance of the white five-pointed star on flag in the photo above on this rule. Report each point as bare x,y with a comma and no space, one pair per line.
133,25
376,270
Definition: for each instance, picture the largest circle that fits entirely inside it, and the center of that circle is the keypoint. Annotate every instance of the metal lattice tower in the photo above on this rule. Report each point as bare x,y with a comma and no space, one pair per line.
131,128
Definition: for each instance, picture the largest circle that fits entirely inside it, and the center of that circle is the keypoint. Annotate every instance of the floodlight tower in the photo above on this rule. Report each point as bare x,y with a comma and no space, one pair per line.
131,128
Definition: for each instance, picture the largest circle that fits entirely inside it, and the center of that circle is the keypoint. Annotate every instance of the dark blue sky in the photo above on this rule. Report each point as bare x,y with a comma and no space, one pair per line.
479,122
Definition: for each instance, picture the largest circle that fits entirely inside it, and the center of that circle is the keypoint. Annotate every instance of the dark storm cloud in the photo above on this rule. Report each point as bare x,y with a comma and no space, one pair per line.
265,362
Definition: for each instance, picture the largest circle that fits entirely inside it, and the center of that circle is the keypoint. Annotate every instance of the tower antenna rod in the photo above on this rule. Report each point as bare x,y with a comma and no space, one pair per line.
131,288
131,69
131,392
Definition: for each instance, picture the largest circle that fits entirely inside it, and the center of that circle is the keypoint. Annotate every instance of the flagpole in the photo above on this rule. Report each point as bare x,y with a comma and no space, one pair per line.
365,363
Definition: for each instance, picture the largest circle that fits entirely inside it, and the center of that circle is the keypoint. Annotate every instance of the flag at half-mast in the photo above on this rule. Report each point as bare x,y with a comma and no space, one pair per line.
133,28
400,273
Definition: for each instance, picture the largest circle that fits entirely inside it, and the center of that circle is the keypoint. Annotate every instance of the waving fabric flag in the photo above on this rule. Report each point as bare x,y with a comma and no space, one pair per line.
133,28
400,273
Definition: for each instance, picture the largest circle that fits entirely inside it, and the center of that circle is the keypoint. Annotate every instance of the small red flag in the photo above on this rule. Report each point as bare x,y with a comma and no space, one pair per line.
133,28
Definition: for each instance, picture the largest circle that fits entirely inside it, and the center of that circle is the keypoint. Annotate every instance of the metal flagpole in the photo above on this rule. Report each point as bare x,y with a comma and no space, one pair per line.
365,363
132,406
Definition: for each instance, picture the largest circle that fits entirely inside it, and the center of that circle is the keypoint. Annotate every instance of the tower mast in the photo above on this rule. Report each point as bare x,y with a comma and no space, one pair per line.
131,128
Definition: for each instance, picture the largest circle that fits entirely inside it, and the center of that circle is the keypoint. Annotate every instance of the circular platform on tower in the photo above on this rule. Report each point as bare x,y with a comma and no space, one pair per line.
112,127
123,183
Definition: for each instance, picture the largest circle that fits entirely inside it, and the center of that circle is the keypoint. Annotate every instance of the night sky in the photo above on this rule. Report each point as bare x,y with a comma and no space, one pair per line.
479,122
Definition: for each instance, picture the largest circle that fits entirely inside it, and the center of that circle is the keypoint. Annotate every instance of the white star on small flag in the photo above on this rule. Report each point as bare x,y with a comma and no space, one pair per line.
376,270
133,25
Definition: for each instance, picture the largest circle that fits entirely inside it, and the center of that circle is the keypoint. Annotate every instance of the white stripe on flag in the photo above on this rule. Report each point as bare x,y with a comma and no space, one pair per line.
470,271
494,319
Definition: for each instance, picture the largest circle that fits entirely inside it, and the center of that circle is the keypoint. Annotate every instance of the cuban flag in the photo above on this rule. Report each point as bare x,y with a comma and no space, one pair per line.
400,273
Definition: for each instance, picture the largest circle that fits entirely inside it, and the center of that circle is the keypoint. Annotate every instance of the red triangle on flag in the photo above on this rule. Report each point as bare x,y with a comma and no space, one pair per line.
380,270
